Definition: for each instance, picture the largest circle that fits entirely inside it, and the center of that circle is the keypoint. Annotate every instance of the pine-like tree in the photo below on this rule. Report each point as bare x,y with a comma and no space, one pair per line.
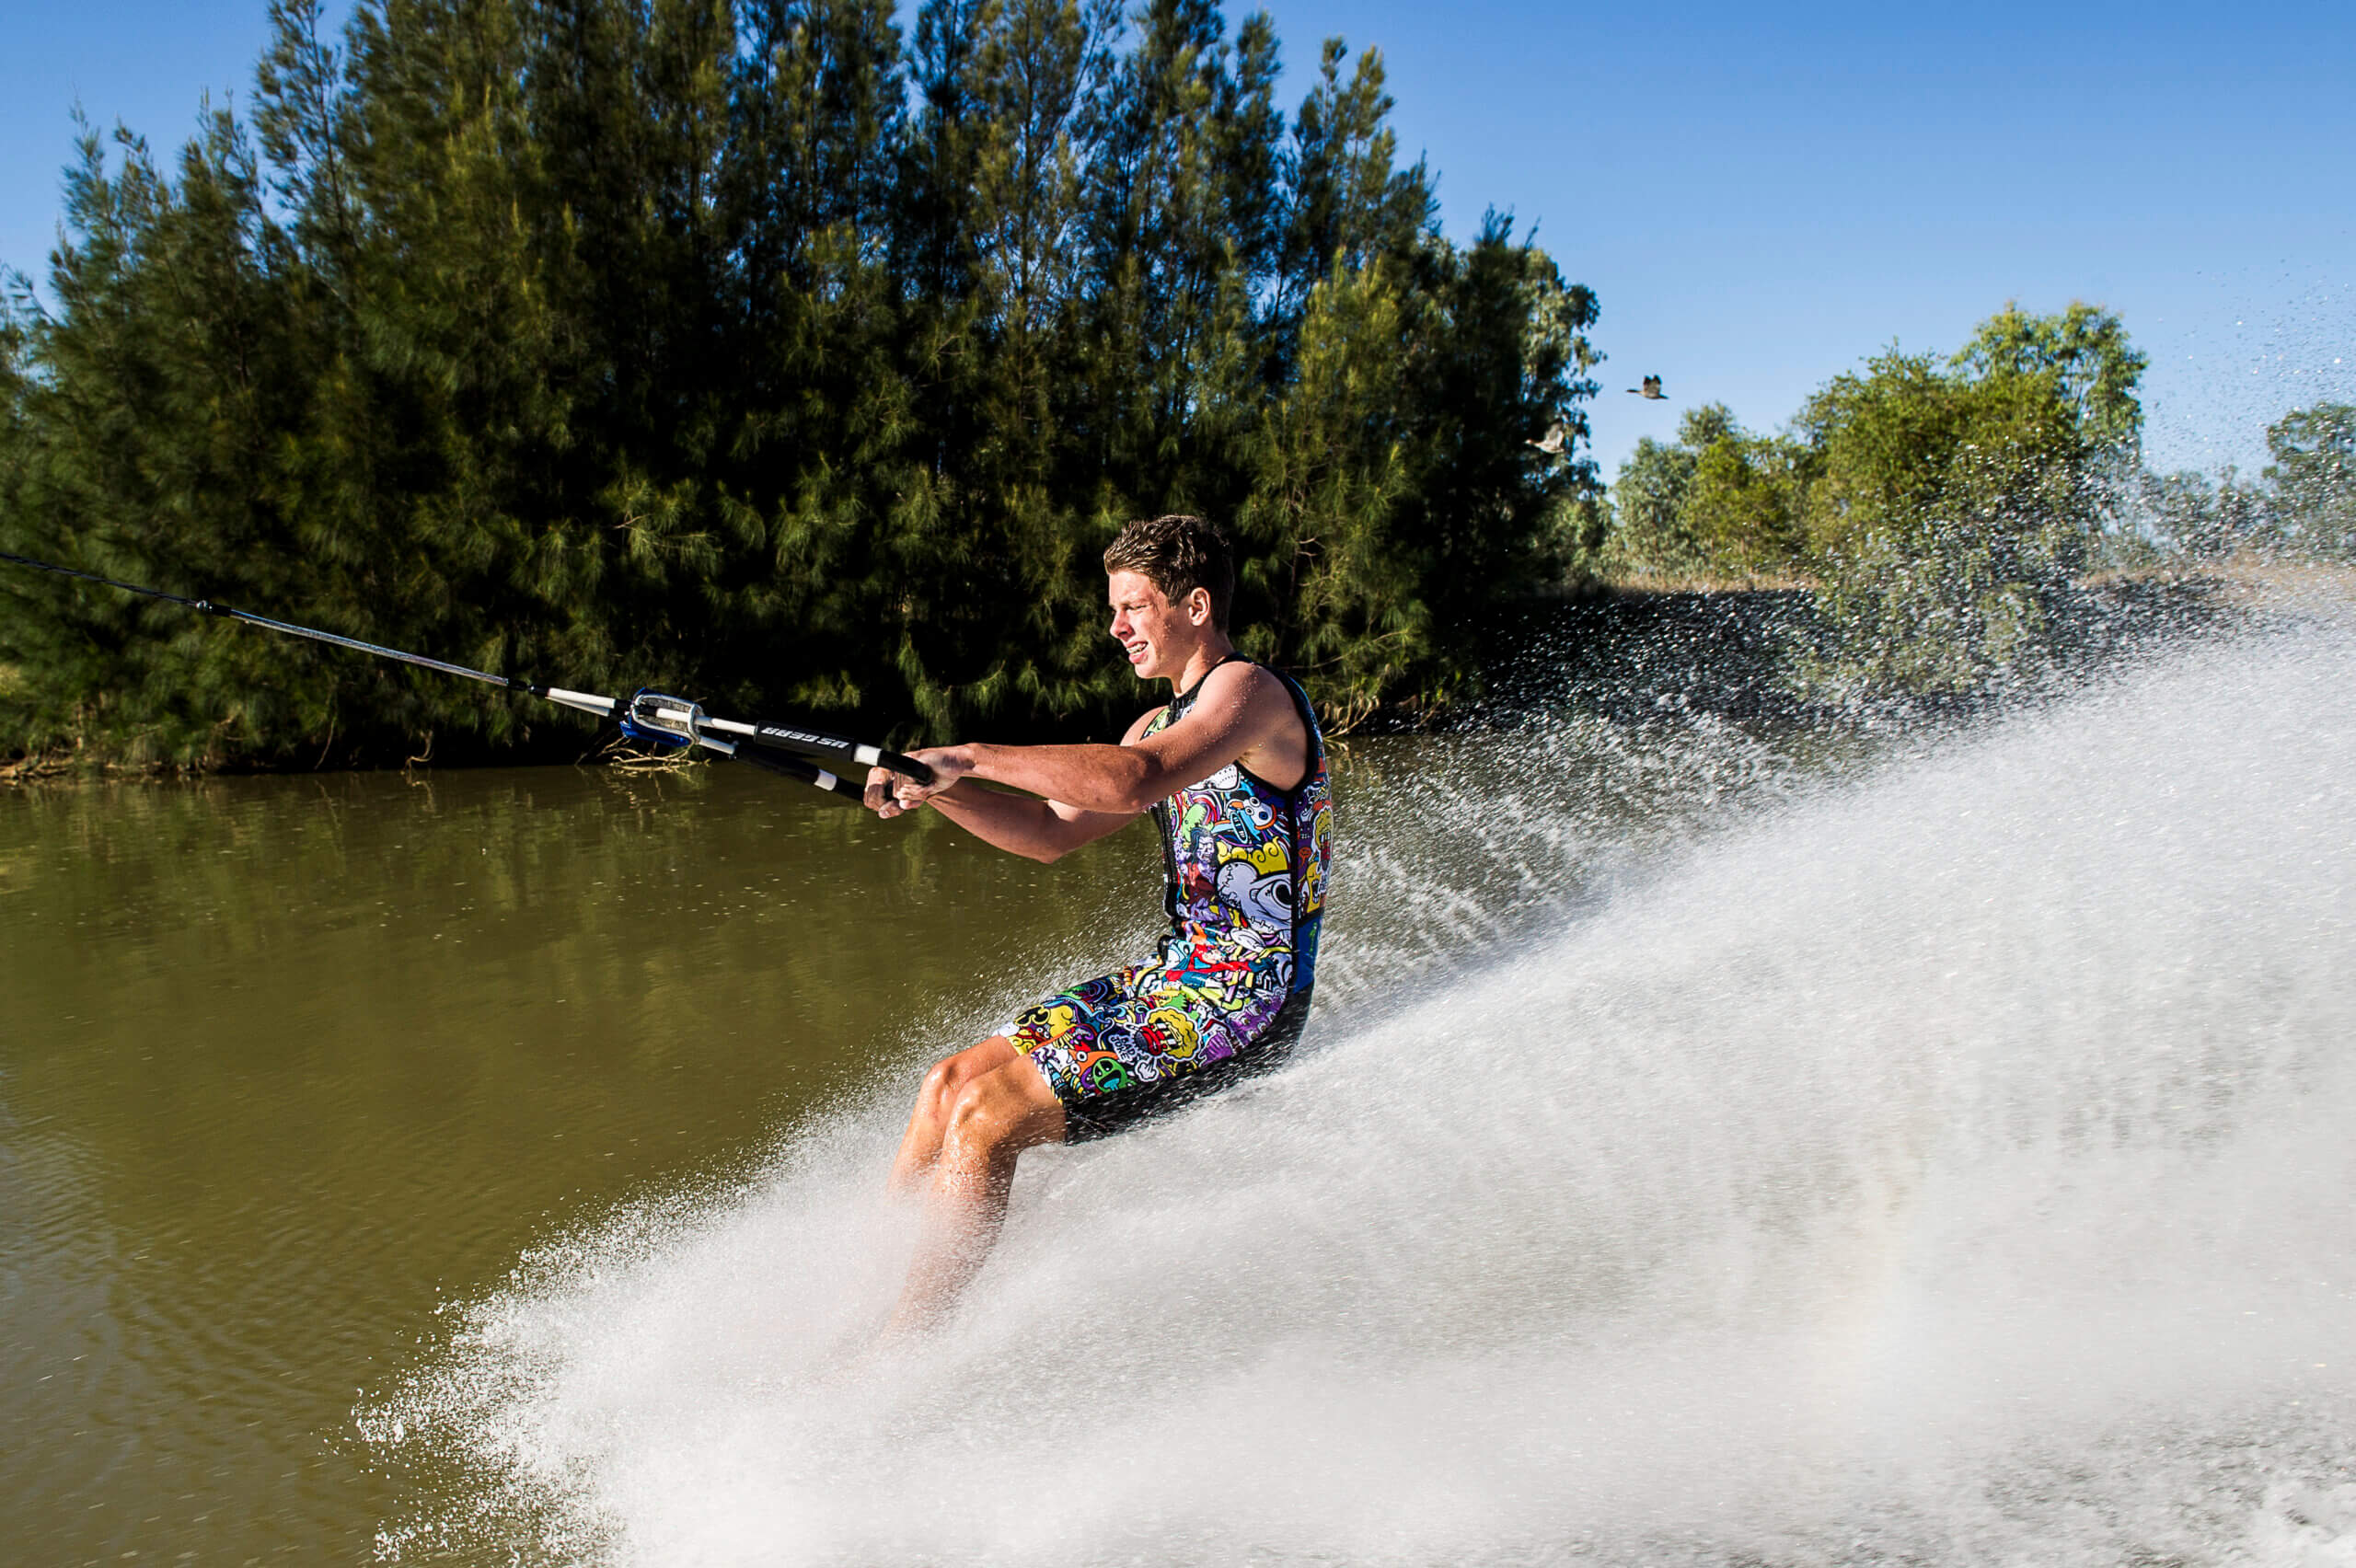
726,343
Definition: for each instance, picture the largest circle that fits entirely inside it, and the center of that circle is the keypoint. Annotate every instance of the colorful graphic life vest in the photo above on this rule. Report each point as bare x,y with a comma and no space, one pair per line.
1247,861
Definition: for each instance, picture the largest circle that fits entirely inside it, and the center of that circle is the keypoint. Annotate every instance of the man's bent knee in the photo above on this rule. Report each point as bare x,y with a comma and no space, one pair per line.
1010,1106
982,1115
947,1076
940,1081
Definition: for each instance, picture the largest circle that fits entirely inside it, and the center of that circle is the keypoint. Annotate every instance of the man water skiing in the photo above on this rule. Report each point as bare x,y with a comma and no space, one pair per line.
1233,769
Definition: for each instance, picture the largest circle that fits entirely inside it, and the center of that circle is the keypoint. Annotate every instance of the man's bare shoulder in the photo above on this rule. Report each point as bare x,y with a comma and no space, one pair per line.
1248,685
1275,740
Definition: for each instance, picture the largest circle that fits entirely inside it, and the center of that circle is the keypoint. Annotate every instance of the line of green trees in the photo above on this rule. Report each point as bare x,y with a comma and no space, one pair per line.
759,349
1944,510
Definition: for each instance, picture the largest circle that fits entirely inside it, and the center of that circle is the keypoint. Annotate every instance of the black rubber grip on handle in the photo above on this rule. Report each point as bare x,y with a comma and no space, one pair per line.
907,766
793,766
835,749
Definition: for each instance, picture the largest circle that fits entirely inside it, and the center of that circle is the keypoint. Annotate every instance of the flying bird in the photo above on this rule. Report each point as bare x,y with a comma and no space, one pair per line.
1651,389
1553,444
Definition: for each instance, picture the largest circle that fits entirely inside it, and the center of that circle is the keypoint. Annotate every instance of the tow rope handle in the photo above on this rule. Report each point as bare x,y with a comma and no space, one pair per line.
659,719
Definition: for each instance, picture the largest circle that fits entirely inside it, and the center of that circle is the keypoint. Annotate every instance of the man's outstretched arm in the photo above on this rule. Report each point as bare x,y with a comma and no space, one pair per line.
1041,830
1035,829
1242,710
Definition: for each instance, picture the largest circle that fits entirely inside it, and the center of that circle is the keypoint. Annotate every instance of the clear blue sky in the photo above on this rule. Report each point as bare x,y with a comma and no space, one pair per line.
1761,195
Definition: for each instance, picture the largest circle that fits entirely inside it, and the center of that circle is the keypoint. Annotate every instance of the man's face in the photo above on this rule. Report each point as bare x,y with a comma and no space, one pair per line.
1157,635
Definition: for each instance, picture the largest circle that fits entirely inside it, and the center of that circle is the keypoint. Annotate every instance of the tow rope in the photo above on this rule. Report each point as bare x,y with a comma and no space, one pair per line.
649,715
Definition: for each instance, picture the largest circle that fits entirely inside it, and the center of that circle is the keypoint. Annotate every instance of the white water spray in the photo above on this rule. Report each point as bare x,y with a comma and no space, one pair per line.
1956,1166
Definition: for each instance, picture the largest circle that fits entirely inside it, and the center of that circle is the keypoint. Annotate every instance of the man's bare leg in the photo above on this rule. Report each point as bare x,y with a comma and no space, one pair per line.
993,1115
928,1122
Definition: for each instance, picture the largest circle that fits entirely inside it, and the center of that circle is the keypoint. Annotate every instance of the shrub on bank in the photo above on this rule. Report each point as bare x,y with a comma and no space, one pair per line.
1937,507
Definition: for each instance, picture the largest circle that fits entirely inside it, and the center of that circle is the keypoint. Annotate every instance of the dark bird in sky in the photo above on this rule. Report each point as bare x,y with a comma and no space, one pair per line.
1651,389
1553,444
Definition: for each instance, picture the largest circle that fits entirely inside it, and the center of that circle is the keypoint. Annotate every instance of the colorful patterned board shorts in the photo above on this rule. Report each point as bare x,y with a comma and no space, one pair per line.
1146,1039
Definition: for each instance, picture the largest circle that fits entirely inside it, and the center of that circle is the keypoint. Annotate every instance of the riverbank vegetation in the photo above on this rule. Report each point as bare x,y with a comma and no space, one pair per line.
761,350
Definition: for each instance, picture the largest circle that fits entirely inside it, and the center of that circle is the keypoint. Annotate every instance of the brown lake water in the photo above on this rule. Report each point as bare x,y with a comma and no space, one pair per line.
290,1063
